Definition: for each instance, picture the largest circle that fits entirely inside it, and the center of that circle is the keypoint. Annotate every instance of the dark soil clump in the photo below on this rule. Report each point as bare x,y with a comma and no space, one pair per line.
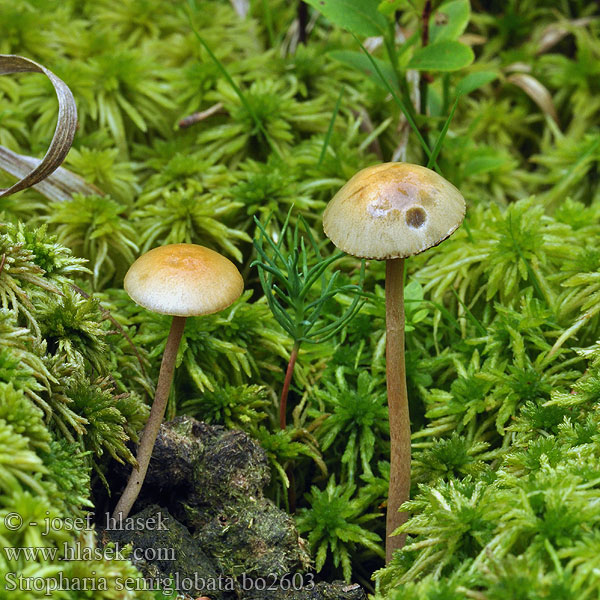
203,519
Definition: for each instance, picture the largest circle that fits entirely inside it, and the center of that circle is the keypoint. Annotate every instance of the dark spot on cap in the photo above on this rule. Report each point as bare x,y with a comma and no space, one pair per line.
415,217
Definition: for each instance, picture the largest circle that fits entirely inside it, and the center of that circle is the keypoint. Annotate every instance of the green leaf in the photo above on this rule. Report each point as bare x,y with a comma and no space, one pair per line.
443,56
474,81
359,61
419,315
413,292
388,7
360,17
449,21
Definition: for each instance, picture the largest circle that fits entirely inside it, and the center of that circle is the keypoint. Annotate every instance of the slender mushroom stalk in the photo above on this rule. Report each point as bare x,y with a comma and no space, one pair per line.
389,212
181,280
397,401
157,412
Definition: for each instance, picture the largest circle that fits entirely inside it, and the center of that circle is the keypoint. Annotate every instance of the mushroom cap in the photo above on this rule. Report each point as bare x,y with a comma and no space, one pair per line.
393,210
183,280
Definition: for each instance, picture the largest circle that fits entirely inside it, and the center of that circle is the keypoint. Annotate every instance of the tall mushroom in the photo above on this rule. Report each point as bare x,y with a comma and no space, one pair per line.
389,212
182,280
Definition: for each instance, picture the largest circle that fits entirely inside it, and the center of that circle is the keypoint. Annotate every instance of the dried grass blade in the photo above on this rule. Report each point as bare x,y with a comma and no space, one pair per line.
65,127
58,186
536,91
555,32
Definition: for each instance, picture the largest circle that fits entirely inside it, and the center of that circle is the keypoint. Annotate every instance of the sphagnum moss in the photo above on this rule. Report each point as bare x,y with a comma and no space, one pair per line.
502,361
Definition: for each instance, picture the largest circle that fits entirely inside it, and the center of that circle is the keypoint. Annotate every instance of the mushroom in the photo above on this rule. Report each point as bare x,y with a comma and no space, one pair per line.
182,280
388,212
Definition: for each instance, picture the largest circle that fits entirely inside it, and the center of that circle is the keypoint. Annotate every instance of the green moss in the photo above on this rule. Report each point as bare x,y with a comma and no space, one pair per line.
503,318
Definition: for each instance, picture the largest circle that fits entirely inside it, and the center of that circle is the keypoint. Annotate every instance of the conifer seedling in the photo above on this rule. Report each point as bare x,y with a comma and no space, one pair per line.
182,280
287,280
389,212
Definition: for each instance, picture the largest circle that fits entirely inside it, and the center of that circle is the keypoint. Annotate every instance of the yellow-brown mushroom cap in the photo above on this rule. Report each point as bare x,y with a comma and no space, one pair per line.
183,280
393,210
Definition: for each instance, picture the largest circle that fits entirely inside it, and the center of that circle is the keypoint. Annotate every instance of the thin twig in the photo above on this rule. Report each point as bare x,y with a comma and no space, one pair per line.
2,261
200,116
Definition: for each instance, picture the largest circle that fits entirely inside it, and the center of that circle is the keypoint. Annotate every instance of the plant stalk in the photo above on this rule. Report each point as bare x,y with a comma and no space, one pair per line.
397,405
425,78
302,22
157,412
286,385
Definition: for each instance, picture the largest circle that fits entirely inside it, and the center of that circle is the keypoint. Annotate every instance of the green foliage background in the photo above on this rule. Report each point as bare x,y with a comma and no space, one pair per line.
503,358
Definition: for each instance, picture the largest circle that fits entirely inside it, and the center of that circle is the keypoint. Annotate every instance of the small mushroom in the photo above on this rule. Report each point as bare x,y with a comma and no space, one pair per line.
182,280
389,212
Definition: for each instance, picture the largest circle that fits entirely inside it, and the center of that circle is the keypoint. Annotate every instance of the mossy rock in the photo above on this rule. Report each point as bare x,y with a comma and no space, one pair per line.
162,546
253,537
209,481
208,465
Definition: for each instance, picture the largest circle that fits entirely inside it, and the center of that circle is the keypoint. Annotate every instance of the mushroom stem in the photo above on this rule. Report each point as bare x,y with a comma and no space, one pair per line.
144,453
397,404
286,386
